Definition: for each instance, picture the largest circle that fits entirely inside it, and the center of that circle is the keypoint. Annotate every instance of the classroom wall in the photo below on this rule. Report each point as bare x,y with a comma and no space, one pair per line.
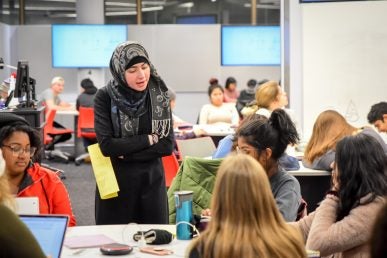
334,63
186,56
344,59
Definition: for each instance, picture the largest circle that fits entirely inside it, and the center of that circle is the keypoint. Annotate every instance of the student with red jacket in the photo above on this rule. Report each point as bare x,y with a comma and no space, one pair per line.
19,143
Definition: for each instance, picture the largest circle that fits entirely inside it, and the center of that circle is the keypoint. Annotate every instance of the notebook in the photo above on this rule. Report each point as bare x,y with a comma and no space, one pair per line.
49,230
27,205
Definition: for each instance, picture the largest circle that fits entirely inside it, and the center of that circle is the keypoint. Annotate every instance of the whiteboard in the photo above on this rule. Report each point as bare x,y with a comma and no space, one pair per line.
344,59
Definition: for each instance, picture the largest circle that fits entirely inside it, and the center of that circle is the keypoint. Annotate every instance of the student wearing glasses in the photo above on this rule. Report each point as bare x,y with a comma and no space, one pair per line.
20,143
266,140
12,229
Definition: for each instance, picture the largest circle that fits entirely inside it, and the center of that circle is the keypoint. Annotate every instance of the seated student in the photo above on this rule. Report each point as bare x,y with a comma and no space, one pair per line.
51,99
245,220
378,116
231,92
329,127
20,144
218,112
15,238
341,226
86,99
379,235
270,96
266,141
246,96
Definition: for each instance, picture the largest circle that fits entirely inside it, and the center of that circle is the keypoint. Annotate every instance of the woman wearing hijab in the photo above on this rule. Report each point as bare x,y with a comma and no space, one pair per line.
134,128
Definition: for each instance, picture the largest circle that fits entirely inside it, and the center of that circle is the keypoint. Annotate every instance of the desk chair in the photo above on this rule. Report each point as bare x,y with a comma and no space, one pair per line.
171,166
50,132
197,147
85,130
197,175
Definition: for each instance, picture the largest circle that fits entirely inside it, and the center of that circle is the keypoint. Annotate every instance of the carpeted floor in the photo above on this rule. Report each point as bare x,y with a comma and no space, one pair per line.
80,183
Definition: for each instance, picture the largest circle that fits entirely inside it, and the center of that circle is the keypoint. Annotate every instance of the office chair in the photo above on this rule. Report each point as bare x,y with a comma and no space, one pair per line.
197,147
171,166
198,175
85,130
50,132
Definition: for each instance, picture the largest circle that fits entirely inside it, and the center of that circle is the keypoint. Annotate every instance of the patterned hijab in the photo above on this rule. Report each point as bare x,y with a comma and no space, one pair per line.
132,104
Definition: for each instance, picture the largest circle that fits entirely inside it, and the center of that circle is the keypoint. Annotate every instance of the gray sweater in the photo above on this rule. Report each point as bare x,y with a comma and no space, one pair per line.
287,194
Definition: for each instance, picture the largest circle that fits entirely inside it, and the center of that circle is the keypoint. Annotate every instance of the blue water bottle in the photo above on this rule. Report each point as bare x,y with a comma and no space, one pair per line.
183,202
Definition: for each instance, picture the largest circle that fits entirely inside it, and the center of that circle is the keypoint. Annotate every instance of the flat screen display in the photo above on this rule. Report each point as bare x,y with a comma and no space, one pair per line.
83,45
48,230
196,19
319,1
250,45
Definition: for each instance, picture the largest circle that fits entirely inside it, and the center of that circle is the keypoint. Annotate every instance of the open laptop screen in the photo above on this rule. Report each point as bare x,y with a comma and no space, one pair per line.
49,231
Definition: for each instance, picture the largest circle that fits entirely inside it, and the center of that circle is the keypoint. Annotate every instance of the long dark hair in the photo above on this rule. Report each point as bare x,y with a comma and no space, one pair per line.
276,133
362,170
33,135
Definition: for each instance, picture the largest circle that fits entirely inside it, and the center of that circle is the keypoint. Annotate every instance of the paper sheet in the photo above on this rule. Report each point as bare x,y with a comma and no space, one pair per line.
103,172
87,241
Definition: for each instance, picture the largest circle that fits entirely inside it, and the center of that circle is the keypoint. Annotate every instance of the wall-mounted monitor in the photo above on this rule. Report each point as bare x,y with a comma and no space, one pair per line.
250,45
85,45
197,19
320,1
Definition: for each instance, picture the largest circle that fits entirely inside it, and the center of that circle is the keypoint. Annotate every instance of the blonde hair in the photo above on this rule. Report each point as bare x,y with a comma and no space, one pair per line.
267,93
6,197
328,129
57,79
245,219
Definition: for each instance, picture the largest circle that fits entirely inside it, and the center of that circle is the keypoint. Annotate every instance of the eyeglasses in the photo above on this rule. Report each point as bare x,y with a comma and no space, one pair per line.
244,150
18,150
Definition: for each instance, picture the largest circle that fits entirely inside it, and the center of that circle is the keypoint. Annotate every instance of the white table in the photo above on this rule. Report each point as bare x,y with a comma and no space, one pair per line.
122,234
303,171
217,129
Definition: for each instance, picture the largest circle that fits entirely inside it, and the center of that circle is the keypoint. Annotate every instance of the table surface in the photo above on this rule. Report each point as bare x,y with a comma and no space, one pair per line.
303,171
122,234
211,130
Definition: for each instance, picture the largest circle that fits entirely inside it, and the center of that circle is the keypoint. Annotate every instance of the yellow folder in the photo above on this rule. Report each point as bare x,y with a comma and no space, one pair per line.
103,172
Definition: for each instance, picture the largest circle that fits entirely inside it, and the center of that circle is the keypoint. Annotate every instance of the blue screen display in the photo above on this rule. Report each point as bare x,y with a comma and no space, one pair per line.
318,1
85,45
251,45
196,19
48,230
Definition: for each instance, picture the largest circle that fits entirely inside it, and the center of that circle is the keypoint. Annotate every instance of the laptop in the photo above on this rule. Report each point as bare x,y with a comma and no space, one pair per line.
27,205
49,231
